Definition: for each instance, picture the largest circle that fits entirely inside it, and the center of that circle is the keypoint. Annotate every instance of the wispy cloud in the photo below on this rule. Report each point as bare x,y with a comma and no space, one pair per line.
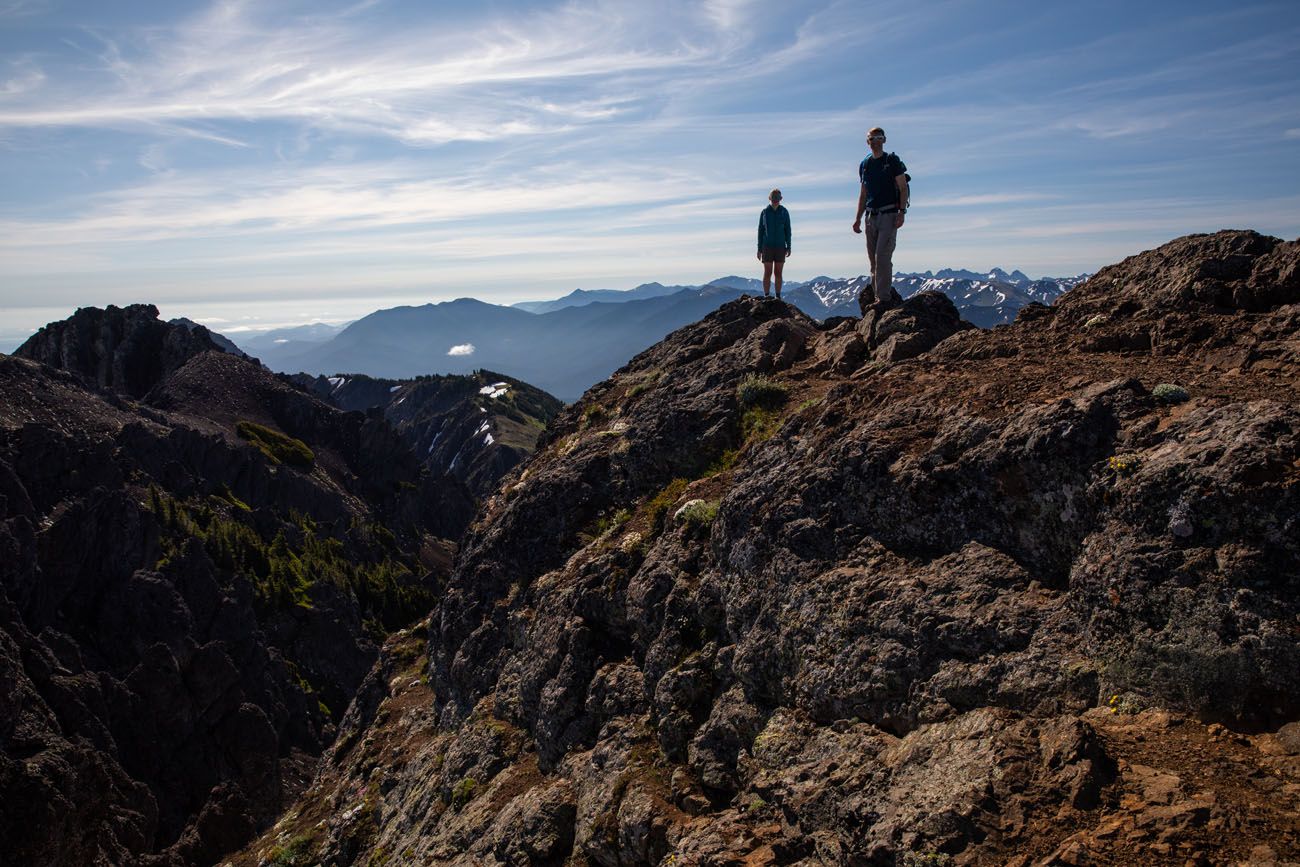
425,85
367,150
24,8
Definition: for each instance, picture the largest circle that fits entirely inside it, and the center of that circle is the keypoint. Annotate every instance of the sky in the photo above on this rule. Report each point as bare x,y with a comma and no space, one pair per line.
256,164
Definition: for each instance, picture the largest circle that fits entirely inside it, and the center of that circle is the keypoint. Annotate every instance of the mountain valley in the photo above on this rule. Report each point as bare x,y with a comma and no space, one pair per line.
566,345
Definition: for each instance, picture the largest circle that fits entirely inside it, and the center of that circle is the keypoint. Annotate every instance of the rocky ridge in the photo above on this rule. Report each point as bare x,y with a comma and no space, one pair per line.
474,428
877,591
197,564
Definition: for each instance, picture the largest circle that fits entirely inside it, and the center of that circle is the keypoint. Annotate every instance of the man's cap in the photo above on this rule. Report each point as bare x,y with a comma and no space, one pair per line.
774,194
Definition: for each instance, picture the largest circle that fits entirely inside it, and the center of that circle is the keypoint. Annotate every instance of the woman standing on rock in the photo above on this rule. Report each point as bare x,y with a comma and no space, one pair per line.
773,241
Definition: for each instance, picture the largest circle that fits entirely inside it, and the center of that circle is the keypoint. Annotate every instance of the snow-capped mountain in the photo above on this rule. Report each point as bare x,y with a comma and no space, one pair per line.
984,299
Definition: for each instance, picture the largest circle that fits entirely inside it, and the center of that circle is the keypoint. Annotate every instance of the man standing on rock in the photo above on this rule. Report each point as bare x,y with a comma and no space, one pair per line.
883,198
773,241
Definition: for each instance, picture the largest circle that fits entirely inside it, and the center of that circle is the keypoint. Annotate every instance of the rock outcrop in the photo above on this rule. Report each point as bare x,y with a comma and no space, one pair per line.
126,349
940,596
191,588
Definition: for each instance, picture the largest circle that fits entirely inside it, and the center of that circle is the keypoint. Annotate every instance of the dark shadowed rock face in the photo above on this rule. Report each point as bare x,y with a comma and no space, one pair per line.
989,604
126,349
186,611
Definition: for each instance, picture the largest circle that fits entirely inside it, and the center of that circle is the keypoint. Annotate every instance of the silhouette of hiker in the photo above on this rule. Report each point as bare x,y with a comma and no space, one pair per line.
773,241
883,197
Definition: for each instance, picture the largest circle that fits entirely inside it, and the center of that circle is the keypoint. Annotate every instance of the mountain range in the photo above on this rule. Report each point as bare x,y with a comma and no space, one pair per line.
565,345
880,590
198,562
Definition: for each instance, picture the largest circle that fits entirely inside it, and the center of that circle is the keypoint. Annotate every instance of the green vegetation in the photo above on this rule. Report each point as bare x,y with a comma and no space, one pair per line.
643,382
925,859
299,556
755,390
1124,465
1167,392
279,448
699,513
722,463
657,509
299,851
760,402
1126,703
463,792
612,522
759,423
593,414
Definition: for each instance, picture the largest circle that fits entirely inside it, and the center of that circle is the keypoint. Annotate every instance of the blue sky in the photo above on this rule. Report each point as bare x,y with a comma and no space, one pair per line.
255,164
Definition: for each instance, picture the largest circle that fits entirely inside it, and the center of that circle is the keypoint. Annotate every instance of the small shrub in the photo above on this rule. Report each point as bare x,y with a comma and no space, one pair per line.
593,414
926,859
1124,465
226,494
606,523
463,792
299,851
755,390
1167,392
1126,703
698,513
278,447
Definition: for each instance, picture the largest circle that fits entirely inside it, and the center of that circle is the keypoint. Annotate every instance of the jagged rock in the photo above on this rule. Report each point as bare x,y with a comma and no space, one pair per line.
126,349
161,702
913,327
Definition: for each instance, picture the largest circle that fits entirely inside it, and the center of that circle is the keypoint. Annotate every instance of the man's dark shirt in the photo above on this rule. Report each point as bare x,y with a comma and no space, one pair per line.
878,175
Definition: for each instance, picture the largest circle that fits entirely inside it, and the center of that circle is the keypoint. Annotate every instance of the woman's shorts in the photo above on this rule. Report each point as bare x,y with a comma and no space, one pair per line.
774,254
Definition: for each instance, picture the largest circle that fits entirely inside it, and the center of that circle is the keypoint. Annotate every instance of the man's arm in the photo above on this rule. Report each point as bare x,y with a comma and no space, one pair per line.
862,206
903,193
788,233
